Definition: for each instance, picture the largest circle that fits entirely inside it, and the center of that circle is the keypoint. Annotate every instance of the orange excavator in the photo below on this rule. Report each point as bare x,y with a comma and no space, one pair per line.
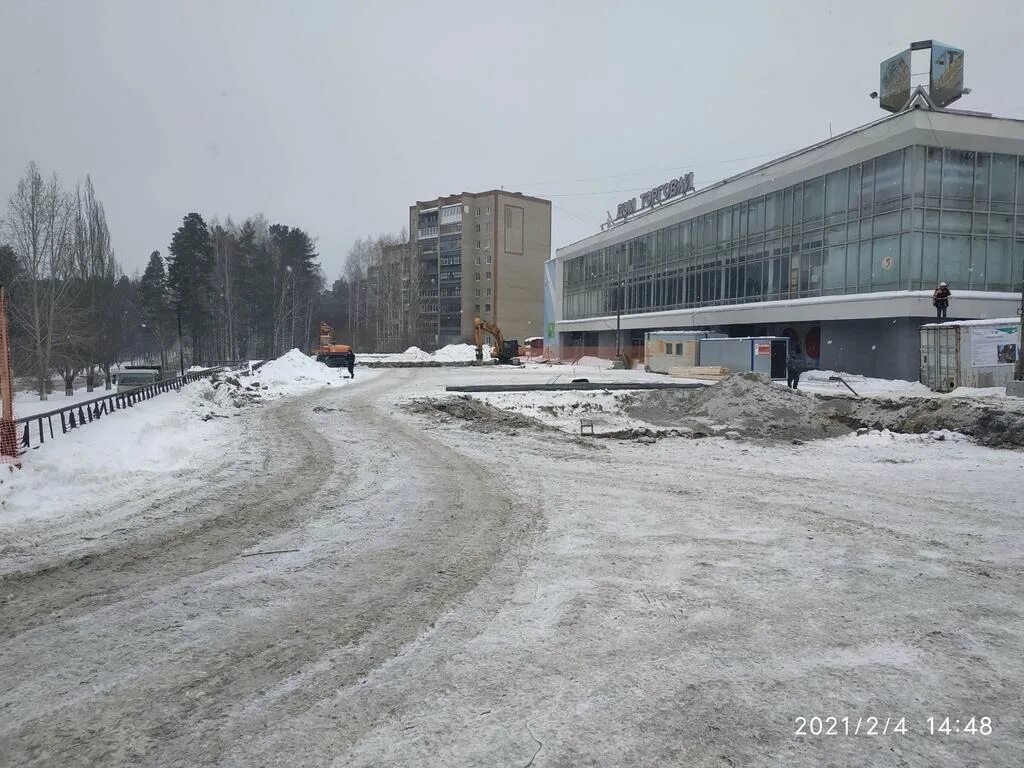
330,353
504,350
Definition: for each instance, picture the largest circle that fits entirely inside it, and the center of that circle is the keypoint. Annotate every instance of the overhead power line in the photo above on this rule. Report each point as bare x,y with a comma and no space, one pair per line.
662,170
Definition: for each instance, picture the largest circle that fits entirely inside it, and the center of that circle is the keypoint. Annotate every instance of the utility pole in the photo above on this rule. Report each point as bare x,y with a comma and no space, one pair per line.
621,296
1018,368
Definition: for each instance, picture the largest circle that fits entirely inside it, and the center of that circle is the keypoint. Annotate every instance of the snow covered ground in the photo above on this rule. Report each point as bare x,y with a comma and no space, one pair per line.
83,472
865,386
156,443
27,403
326,579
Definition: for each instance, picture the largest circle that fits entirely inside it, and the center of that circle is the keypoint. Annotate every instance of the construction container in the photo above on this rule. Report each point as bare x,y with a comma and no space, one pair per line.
969,353
761,354
664,350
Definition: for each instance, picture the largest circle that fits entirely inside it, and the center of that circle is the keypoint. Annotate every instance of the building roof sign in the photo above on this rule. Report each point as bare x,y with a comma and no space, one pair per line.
651,198
945,77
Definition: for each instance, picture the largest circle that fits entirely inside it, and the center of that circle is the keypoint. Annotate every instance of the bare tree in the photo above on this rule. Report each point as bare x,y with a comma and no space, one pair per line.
225,260
94,271
39,227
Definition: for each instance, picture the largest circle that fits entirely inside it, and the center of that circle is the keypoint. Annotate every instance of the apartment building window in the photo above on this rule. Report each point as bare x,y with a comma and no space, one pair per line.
477,259
477,307
488,258
487,245
488,210
487,307
488,291
488,275
478,293
476,275
477,227
478,245
478,213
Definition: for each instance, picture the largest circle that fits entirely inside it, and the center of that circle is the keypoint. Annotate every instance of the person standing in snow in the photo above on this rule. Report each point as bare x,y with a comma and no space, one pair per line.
350,362
793,367
940,298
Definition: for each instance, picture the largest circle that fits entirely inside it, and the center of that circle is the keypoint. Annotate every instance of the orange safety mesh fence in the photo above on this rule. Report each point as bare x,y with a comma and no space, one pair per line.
9,452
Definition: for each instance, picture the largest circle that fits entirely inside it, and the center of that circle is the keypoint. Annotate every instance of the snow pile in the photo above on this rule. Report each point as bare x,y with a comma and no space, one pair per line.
454,353
750,405
875,437
293,373
416,355
746,403
217,396
564,410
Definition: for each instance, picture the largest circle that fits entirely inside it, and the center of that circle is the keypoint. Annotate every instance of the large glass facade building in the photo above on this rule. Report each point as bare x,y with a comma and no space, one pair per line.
798,245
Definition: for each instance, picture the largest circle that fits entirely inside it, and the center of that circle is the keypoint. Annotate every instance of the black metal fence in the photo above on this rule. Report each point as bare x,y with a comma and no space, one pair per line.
226,364
42,425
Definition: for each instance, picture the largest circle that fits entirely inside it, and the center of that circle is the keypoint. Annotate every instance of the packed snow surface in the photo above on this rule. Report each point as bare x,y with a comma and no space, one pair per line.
512,595
128,449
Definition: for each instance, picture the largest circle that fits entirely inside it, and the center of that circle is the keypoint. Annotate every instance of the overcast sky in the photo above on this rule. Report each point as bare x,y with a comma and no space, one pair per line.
335,116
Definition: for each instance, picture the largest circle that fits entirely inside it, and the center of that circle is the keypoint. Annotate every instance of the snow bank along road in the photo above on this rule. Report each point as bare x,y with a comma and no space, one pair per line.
473,594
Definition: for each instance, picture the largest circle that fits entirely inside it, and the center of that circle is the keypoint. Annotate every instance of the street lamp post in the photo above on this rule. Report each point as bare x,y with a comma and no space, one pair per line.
181,347
1018,368
620,299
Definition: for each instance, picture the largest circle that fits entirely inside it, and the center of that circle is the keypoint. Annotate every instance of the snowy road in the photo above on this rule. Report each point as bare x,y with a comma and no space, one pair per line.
165,647
481,597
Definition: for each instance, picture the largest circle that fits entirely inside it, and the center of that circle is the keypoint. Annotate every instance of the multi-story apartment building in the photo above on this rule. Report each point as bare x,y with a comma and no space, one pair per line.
478,254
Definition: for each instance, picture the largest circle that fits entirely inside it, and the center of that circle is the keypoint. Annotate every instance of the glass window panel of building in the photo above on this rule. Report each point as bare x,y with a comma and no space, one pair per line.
900,221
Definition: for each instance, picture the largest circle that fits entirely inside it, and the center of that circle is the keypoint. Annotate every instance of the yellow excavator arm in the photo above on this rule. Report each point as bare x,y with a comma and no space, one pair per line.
481,327
504,350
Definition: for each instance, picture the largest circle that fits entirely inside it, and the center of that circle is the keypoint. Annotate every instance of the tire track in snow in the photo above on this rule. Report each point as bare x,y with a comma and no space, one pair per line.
212,527
205,657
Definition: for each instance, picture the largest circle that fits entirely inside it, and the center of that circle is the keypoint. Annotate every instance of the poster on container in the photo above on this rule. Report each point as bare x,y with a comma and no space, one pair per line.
994,346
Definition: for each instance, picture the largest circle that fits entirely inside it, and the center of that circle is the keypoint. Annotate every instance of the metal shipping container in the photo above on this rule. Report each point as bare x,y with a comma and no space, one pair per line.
673,349
761,354
969,353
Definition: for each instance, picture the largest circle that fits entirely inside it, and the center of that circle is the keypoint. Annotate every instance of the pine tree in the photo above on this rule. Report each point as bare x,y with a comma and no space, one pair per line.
154,310
189,275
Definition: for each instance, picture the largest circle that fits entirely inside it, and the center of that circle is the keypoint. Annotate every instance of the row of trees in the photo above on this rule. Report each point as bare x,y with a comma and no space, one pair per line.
235,291
63,283
374,303
240,290
229,291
